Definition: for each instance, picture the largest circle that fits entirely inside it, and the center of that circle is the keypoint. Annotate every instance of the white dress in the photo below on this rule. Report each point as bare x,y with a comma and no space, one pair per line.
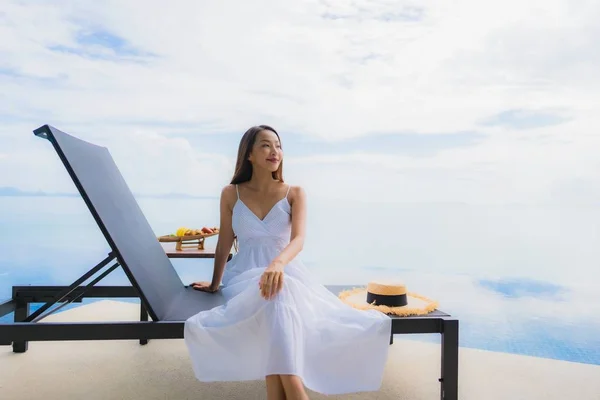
306,330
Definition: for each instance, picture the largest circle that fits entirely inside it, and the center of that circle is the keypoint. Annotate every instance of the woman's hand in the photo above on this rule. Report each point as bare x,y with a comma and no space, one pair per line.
204,287
271,281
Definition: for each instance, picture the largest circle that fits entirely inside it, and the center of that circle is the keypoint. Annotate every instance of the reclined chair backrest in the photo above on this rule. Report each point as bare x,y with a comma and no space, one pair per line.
120,219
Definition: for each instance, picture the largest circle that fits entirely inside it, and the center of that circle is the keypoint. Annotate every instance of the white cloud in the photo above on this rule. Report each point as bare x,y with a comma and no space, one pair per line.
541,166
150,163
157,164
328,69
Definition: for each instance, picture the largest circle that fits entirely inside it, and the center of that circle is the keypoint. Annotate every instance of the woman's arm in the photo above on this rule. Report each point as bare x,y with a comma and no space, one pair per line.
226,235
298,203
271,281
224,242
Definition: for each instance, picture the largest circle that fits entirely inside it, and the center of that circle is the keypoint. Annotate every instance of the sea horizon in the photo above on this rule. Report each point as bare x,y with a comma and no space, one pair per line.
520,279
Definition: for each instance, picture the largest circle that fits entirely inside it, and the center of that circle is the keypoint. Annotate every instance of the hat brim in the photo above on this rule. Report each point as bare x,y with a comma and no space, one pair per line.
417,304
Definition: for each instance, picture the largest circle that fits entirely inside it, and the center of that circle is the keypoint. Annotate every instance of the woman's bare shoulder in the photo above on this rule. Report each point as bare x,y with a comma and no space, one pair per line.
296,193
229,190
229,194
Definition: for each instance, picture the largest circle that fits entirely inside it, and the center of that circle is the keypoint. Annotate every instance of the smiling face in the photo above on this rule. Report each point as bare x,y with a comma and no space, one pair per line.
260,148
266,153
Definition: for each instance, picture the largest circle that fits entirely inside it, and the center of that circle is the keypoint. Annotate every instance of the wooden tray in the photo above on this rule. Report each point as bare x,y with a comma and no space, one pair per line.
187,241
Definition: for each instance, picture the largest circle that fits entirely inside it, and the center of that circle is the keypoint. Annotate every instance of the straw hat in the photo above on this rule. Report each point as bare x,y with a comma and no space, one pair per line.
389,298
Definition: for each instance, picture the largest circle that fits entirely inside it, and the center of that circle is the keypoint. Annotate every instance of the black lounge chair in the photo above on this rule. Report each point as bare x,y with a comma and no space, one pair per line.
163,296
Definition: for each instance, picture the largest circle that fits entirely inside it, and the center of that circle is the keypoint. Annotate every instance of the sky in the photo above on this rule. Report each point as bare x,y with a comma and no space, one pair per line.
493,102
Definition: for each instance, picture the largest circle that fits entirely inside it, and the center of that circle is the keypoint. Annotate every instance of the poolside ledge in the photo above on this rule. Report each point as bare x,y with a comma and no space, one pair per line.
161,370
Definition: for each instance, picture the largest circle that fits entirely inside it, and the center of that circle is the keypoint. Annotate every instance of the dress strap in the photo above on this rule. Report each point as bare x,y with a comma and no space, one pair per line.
237,191
288,191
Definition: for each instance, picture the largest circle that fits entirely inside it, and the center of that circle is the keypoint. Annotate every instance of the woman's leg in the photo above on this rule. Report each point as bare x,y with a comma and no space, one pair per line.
294,388
274,388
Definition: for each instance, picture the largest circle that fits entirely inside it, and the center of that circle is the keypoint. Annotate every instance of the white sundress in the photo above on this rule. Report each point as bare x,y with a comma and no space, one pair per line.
305,330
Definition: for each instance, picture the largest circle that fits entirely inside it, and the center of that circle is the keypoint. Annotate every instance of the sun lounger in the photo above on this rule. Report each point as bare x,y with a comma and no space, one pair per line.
163,296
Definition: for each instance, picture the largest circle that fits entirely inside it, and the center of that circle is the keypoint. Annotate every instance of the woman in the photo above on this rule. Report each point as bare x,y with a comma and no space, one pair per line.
278,323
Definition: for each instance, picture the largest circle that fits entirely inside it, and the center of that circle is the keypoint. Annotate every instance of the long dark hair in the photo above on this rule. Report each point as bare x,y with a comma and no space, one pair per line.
243,167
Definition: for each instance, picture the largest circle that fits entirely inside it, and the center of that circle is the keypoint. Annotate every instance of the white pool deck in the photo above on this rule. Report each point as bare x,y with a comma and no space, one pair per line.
125,370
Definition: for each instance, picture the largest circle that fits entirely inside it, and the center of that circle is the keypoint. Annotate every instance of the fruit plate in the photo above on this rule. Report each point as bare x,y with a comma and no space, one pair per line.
196,241
175,238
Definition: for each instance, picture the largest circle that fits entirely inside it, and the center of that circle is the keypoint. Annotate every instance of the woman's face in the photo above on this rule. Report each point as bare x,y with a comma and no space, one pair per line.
266,152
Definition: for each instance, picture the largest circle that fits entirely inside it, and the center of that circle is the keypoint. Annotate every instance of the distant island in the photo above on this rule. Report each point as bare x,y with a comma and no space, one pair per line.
174,196
9,191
